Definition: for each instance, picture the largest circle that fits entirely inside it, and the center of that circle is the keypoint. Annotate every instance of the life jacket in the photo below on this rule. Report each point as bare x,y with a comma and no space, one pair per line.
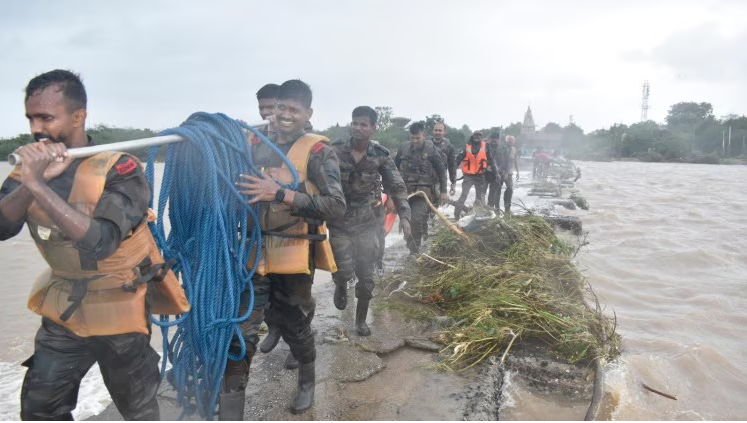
290,242
105,297
475,164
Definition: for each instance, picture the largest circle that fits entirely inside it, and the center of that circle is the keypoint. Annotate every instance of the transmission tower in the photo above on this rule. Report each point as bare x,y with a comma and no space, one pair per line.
644,102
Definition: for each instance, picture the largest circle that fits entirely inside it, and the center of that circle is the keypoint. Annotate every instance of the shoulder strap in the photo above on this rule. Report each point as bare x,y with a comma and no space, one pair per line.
299,153
90,178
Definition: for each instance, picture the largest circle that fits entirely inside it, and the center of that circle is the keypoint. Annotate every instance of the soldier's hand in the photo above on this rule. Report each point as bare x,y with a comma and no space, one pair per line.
263,189
405,228
452,191
389,205
60,160
35,159
443,198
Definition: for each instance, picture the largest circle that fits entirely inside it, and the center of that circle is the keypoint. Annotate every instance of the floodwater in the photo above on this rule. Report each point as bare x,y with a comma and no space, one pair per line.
667,254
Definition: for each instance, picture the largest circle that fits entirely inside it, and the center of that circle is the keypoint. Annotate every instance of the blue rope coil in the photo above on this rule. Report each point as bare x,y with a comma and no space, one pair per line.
211,239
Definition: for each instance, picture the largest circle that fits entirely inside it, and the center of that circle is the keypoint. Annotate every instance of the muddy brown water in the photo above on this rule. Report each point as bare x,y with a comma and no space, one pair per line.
667,254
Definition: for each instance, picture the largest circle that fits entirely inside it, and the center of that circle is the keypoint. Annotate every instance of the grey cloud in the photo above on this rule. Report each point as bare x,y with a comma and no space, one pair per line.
703,54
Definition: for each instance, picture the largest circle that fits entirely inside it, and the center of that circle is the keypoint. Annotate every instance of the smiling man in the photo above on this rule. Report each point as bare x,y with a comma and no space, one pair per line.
294,238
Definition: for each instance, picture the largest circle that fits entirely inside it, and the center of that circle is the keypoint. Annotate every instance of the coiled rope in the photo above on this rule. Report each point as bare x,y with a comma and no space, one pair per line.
211,240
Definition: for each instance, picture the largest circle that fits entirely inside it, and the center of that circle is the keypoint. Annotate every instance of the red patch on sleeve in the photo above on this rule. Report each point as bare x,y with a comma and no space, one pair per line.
317,147
126,167
255,140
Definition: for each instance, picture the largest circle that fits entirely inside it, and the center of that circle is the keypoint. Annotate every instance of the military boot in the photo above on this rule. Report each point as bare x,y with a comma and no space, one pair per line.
271,340
232,398
458,211
304,396
290,361
341,296
361,312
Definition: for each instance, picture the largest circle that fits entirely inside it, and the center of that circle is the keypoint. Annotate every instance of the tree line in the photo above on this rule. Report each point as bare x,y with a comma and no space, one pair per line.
690,133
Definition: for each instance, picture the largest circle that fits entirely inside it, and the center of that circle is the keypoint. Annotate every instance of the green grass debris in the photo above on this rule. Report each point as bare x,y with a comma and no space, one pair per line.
514,279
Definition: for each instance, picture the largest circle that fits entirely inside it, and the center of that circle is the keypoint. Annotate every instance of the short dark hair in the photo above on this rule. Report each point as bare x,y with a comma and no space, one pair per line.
268,91
417,128
368,112
295,89
69,82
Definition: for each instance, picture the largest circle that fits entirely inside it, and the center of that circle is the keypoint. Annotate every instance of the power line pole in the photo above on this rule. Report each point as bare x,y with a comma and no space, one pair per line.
644,102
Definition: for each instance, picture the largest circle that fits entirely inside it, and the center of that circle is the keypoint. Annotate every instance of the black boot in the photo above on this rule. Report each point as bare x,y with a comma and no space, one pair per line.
231,400
341,296
271,340
304,397
360,318
290,361
231,406
458,211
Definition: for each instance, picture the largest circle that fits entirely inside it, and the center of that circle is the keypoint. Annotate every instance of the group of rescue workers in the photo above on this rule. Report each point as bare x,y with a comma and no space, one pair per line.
88,218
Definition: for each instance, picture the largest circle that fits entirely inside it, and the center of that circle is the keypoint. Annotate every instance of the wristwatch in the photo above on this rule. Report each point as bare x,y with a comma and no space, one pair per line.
280,195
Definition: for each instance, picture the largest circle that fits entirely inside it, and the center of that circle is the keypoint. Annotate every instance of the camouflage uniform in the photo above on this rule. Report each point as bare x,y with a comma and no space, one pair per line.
355,238
419,168
292,305
493,177
61,358
448,154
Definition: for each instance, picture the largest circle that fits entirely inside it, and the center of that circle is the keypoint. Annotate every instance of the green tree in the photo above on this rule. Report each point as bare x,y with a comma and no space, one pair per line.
513,129
431,121
385,117
688,118
552,128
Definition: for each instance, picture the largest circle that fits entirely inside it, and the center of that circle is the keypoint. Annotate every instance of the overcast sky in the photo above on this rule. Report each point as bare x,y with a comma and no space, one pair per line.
150,64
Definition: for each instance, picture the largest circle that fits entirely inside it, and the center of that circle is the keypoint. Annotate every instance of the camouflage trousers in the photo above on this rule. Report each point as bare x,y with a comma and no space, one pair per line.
291,309
356,250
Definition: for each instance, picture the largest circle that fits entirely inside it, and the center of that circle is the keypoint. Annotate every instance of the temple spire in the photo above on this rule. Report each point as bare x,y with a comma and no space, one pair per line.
528,127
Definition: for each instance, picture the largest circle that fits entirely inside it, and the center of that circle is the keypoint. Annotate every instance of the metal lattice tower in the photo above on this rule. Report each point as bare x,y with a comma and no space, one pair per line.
644,102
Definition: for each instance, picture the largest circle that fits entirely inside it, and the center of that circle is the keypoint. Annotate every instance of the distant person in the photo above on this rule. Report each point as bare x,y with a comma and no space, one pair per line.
421,168
446,150
493,173
506,177
475,160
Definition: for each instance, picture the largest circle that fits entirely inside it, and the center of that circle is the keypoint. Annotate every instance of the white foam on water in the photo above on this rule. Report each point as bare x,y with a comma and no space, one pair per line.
92,396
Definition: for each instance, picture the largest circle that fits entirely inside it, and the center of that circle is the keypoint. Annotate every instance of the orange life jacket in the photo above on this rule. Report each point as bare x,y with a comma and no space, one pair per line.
475,164
287,240
106,297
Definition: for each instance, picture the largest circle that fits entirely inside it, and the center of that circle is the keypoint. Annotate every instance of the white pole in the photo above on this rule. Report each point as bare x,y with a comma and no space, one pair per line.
76,153
729,140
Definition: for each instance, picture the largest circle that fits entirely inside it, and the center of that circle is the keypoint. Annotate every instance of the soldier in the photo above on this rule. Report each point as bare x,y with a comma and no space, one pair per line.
506,177
88,218
476,160
294,241
416,161
355,237
493,175
447,152
267,97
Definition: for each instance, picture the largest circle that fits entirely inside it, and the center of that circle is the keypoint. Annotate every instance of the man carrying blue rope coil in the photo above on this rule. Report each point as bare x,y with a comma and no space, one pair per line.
294,244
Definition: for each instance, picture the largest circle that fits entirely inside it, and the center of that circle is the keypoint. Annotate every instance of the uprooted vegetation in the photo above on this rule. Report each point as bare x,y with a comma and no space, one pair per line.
512,281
